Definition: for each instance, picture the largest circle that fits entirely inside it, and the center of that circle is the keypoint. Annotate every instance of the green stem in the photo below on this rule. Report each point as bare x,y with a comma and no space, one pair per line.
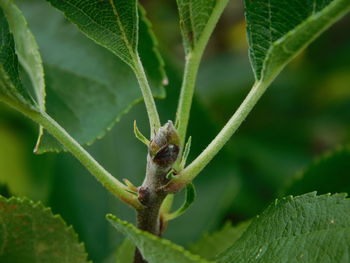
105,178
192,170
147,96
186,95
193,59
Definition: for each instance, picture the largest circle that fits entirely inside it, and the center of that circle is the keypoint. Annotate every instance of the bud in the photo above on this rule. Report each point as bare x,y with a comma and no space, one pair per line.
164,147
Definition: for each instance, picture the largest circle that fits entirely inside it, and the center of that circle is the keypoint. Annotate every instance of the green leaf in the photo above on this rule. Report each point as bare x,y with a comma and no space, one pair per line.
197,20
307,228
153,248
31,233
150,56
138,134
189,199
279,29
27,51
218,241
327,174
121,27
112,24
11,89
104,87
125,252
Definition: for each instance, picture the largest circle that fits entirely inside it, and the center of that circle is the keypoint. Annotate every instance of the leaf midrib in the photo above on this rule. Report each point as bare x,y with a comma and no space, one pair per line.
200,44
126,41
194,36
279,40
106,28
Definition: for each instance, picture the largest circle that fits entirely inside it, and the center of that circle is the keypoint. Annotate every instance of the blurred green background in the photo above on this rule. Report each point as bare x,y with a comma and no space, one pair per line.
304,114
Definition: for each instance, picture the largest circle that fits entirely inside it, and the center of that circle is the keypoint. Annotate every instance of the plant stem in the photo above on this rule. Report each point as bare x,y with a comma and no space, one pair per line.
193,169
151,196
186,95
147,96
193,59
163,152
105,178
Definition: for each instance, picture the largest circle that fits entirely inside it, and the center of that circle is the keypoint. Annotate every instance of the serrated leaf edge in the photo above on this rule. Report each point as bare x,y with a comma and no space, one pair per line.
318,161
155,48
283,201
103,131
39,205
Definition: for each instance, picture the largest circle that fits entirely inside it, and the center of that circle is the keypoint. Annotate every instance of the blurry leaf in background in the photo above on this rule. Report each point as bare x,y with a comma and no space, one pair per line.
24,173
31,233
327,174
210,245
16,171
307,228
289,126
223,82
333,89
88,88
150,56
13,166
236,37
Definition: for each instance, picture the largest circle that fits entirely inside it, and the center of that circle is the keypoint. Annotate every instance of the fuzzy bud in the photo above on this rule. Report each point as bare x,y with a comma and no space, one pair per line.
164,147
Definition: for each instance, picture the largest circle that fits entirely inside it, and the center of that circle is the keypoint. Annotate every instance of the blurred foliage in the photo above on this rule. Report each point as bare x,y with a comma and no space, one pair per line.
305,113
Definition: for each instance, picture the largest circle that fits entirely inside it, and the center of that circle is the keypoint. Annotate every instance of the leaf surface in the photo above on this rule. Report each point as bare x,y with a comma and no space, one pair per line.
307,228
27,51
125,252
113,24
11,89
104,87
190,196
197,20
31,233
154,249
279,29
218,241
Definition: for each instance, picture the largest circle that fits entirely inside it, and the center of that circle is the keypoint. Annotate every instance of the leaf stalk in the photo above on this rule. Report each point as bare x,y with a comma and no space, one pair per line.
151,108
105,178
192,170
193,59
